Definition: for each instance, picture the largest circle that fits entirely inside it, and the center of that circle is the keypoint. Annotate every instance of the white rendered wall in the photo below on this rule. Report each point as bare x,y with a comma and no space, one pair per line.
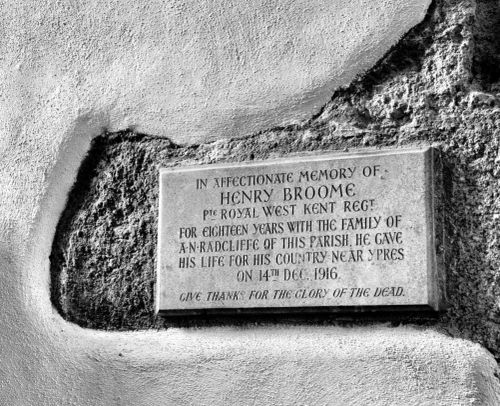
193,72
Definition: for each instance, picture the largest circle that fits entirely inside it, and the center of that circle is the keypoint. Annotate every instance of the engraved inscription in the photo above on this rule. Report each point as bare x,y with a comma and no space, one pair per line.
327,231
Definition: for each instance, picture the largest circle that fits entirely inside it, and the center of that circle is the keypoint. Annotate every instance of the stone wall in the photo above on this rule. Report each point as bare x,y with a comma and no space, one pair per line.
89,115
439,86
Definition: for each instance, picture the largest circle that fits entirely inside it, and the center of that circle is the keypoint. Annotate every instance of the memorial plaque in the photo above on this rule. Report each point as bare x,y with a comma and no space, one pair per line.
328,232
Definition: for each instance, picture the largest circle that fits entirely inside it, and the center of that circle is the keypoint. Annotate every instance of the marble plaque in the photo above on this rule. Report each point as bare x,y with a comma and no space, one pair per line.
348,232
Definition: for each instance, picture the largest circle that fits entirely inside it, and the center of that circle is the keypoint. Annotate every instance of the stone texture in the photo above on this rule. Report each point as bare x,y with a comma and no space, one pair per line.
440,84
437,86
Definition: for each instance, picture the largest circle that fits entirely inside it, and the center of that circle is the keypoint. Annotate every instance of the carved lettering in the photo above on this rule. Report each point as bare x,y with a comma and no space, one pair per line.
330,231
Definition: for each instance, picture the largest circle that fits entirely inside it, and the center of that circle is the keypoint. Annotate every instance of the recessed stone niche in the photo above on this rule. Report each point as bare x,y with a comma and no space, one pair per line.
104,258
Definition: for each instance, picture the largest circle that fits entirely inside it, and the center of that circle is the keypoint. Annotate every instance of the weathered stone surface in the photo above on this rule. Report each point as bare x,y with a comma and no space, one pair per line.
440,84
437,86
344,231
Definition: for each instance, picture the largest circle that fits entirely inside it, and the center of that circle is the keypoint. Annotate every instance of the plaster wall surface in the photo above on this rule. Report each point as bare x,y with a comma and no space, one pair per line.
70,71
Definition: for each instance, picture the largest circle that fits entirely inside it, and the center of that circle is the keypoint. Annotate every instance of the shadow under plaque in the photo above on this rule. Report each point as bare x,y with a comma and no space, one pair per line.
334,232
